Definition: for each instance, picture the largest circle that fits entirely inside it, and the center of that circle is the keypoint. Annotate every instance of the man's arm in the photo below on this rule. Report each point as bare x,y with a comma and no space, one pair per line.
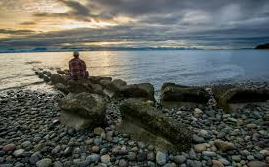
70,68
84,65
85,68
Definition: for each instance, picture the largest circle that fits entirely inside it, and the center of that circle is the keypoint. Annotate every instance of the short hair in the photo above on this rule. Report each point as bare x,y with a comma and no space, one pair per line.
76,54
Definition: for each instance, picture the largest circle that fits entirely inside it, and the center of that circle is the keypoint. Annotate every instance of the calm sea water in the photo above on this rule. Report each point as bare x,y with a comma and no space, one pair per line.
190,67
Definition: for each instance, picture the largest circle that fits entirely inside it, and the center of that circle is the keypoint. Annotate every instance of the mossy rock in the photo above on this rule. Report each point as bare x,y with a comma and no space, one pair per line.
145,116
142,90
235,95
83,110
179,93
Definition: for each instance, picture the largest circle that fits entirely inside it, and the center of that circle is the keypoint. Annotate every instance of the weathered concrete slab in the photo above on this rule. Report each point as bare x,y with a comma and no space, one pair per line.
142,90
174,96
230,99
83,110
145,122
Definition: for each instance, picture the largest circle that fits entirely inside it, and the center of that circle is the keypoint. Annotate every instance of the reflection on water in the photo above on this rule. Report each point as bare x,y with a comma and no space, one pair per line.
157,67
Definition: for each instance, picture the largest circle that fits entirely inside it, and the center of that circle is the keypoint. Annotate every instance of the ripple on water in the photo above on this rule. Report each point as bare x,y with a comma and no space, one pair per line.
156,67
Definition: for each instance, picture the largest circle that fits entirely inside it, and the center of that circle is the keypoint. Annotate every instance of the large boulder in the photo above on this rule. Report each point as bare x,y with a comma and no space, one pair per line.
79,86
97,79
96,88
142,90
118,84
40,74
110,93
61,87
59,71
46,78
144,122
115,85
231,98
83,110
47,73
113,88
173,95
66,72
105,83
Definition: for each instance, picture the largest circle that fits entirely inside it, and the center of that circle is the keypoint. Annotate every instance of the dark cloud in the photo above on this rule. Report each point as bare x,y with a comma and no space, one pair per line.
242,23
76,7
28,23
16,32
140,36
78,11
140,7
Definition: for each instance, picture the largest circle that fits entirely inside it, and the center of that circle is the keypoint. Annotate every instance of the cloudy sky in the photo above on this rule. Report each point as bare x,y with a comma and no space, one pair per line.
209,24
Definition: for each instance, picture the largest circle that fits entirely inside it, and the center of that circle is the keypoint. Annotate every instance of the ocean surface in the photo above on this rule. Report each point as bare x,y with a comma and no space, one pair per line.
189,67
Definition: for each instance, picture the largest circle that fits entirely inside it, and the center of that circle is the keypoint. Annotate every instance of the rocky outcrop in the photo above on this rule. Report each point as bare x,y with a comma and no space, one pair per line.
105,83
59,71
117,85
263,46
113,88
47,73
142,120
97,79
79,86
83,110
61,87
119,89
173,95
96,88
40,74
57,78
73,86
66,84
116,88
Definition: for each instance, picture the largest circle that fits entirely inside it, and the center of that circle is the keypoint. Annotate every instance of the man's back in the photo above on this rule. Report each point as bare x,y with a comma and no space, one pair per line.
77,68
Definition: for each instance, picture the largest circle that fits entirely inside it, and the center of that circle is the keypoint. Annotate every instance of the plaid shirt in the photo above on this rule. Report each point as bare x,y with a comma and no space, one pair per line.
77,68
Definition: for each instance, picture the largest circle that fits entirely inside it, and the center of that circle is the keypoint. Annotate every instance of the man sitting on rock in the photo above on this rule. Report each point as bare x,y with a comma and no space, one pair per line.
77,67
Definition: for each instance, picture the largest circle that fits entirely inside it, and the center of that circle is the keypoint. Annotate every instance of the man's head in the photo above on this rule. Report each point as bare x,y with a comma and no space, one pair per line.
76,54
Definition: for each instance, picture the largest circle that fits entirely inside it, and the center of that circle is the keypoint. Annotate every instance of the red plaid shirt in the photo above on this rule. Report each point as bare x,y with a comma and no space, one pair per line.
78,68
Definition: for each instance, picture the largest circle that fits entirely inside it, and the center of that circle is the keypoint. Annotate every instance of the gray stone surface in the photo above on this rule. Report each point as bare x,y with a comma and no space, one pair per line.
83,110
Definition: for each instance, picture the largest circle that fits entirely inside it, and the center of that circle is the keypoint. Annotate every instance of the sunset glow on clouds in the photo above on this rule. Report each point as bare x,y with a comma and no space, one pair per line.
50,15
133,23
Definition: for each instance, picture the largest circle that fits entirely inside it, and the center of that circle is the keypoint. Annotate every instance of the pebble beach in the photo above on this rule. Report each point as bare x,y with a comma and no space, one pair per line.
32,135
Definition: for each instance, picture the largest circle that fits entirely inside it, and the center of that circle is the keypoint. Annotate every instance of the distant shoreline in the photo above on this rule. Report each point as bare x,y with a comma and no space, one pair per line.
118,50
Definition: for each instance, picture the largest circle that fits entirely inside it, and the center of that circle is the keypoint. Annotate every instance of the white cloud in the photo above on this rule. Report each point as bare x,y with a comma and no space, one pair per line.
196,17
229,14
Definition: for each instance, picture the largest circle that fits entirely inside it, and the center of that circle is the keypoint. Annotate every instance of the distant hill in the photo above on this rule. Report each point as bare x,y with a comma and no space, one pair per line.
70,49
263,46
39,50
